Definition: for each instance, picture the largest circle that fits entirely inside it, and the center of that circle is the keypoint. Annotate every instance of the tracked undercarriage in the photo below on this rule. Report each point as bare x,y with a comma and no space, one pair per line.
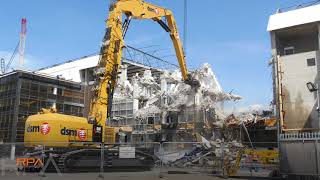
90,160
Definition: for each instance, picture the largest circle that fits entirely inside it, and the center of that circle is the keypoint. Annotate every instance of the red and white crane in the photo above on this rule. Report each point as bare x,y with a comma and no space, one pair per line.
22,42
21,45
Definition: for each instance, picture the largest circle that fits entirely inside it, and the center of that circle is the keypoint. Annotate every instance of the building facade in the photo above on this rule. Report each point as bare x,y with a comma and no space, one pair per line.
24,93
82,71
65,86
295,51
295,60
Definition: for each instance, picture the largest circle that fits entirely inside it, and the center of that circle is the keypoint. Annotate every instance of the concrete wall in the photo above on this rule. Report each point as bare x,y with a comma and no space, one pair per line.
299,104
299,153
294,18
71,70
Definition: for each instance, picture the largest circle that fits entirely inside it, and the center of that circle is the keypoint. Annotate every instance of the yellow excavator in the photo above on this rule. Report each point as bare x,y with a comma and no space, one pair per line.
65,133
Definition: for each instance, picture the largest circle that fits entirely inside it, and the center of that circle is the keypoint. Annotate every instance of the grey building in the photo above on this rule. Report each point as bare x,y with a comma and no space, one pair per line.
295,49
295,46
24,93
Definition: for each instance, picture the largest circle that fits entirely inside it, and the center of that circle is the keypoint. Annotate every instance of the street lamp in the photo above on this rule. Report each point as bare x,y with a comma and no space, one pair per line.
312,87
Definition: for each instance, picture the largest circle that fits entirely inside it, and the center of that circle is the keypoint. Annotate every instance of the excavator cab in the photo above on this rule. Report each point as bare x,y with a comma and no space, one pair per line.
97,133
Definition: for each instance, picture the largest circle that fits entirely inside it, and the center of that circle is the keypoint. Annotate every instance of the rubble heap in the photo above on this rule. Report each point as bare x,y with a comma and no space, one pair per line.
204,155
175,95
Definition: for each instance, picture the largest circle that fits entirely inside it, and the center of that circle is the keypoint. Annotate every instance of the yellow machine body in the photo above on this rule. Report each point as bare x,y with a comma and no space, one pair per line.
53,129
58,130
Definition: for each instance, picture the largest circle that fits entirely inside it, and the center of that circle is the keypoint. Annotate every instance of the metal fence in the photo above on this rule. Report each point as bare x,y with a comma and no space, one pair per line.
300,155
160,159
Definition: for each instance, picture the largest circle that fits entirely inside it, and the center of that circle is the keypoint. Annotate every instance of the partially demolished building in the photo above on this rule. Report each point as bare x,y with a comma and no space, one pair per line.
151,104
172,109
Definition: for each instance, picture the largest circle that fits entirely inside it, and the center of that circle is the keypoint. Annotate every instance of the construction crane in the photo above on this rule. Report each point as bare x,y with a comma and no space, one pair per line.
20,46
3,64
5,67
22,42
50,127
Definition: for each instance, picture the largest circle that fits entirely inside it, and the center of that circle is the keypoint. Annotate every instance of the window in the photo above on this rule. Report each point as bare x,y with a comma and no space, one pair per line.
288,50
311,62
34,87
60,92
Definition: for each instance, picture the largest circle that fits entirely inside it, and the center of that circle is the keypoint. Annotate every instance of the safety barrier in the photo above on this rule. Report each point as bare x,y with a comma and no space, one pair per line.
151,158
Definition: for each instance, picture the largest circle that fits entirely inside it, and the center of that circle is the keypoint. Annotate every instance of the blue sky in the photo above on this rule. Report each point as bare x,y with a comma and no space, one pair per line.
230,35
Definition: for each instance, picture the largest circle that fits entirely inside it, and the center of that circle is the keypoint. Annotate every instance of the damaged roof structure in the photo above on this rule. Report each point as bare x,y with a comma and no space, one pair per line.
173,103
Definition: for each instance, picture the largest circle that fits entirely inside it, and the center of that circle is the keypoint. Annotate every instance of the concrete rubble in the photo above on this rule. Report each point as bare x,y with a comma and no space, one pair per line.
170,92
202,155
172,99
253,115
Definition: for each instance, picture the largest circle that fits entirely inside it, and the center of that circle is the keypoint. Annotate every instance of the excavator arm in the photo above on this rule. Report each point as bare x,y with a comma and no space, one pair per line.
138,9
111,51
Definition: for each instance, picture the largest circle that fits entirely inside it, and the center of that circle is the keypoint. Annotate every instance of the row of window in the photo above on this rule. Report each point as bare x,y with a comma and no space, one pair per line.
12,86
33,96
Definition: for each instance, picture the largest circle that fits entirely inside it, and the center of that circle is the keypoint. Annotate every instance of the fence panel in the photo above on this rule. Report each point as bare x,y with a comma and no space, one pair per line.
259,159
211,158
220,158
190,157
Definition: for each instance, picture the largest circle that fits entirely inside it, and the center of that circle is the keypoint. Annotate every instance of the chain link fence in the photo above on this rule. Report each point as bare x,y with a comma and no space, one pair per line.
226,159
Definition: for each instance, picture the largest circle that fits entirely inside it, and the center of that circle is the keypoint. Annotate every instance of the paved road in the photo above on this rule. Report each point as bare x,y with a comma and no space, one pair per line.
114,176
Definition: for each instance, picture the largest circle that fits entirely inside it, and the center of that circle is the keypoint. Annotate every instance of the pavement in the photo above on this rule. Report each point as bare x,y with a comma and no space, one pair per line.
115,176
8,172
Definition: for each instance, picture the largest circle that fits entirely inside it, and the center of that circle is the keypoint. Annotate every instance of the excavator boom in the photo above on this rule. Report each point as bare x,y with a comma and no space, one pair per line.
111,51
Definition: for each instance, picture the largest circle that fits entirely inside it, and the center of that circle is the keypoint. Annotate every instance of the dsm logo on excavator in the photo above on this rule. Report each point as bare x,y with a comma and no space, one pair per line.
44,128
81,133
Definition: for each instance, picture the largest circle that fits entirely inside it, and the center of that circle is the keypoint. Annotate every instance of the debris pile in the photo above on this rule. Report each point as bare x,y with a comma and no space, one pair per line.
187,110
242,118
253,115
169,94
174,95
187,114
202,155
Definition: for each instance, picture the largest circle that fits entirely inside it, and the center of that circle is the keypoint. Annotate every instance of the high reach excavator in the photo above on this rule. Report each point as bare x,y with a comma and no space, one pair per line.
71,137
